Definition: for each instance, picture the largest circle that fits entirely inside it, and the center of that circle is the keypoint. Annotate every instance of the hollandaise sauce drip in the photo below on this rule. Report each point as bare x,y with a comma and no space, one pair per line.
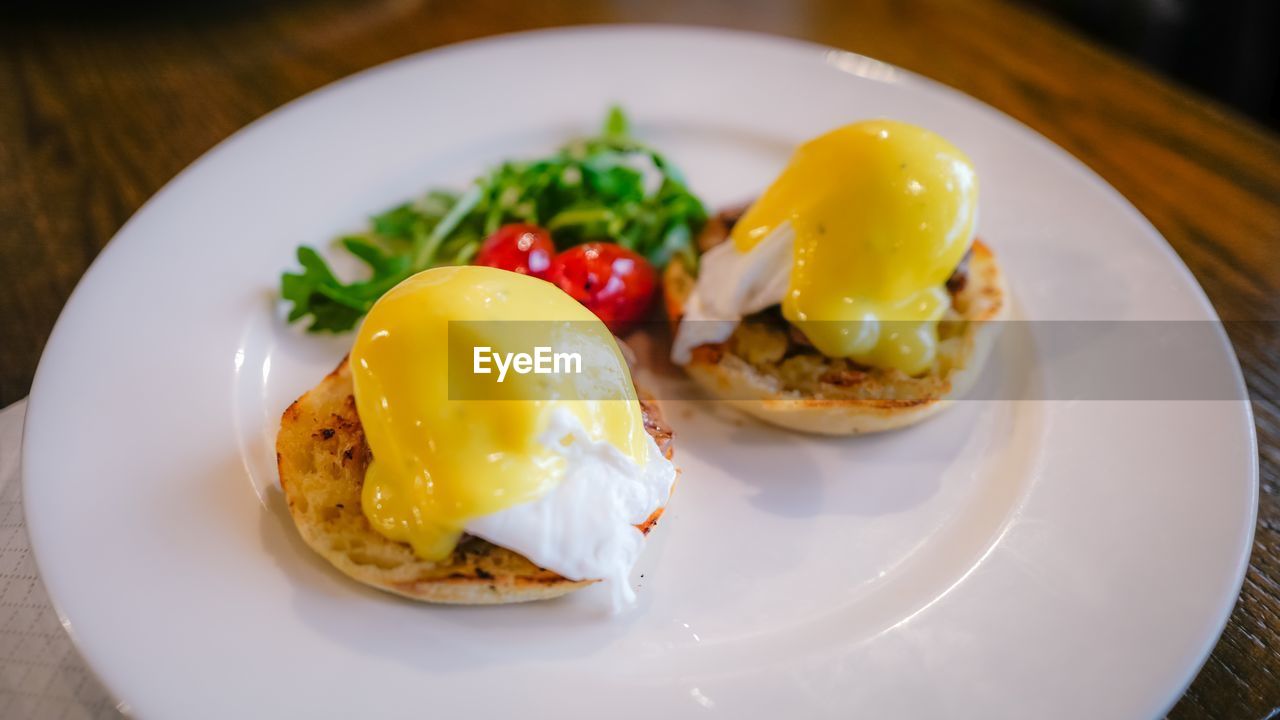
439,462
882,213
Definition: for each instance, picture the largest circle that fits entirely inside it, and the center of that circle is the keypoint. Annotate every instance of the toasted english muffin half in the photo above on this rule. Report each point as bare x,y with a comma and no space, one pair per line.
769,370
322,455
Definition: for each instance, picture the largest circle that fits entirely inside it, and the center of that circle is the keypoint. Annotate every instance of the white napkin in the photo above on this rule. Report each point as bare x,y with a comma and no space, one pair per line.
41,676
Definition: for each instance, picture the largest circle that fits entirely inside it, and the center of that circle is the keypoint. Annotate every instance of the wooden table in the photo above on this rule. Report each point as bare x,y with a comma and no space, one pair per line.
99,112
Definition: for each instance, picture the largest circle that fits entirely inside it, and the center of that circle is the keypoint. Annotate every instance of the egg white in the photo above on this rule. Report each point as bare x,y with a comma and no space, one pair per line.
732,284
584,528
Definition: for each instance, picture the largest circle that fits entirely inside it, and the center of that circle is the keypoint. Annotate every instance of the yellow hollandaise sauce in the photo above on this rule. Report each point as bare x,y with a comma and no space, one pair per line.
449,447
883,212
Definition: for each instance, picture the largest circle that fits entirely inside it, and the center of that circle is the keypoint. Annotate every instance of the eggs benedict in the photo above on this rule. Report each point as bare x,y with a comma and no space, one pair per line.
412,473
851,296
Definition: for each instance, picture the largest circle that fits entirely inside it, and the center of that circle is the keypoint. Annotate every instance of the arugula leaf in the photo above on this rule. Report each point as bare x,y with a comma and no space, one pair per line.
615,123
396,222
425,251
316,292
607,187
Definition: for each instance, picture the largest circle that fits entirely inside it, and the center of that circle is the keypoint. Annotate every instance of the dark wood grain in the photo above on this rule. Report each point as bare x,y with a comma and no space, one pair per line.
99,111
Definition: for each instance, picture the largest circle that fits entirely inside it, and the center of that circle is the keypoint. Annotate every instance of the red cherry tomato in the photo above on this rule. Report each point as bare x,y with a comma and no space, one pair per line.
526,249
613,282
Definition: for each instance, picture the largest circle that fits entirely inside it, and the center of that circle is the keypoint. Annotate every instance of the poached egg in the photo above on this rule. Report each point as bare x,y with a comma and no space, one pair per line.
557,466
855,239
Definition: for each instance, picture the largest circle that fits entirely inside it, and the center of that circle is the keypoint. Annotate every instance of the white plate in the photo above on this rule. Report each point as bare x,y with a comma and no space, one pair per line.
1064,559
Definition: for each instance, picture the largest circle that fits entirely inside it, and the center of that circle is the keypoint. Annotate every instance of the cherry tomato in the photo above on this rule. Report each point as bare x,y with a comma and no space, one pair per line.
526,249
613,282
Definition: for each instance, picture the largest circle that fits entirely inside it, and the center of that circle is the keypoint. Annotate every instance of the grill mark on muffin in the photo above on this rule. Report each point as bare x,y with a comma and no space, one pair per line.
960,276
845,377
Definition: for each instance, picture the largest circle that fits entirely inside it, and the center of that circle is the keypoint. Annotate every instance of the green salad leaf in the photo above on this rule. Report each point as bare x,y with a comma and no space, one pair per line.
607,187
